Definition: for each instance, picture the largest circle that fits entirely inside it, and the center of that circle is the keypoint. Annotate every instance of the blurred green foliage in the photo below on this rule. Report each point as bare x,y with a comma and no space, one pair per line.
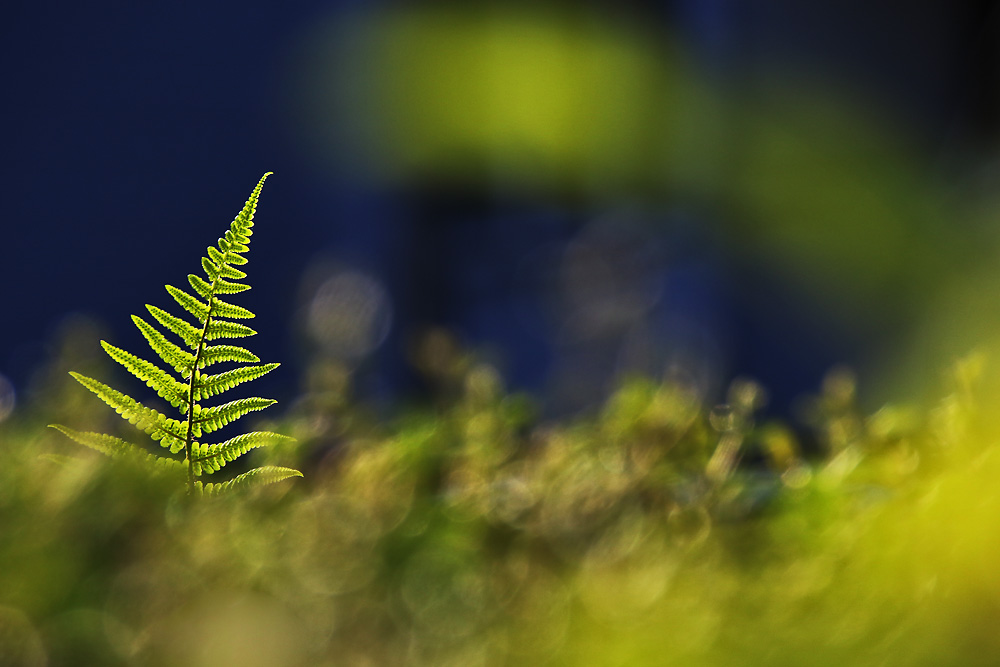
661,530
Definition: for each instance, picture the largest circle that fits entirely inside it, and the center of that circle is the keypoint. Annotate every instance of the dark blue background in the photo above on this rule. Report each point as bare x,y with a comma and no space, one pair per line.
132,132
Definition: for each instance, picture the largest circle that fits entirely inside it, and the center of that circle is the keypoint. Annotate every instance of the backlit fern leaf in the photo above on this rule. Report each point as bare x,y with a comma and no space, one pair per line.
168,432
189,303
161,381
207,386
189,387
117,448
222,309
181,360
210,458
250,479
226,329
219,353
212,419
188,333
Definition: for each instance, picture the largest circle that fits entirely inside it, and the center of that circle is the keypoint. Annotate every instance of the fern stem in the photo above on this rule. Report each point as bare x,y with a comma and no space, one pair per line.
188,439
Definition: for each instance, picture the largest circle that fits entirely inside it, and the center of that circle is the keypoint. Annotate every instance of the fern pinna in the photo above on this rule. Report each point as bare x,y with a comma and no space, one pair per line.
214,321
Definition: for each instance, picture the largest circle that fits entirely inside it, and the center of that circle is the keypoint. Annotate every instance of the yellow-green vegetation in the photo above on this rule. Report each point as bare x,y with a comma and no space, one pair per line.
662,530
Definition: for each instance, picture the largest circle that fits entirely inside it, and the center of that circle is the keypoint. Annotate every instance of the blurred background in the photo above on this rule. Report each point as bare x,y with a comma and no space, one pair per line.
573,191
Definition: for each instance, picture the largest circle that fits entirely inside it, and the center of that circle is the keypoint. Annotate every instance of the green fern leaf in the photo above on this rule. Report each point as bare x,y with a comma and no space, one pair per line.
186,394
181,360
222,309
170,433
234,243
211,458
215,354
105,444
206,386
226,287
211,268
199,285
219,259
224,329
189,303
219,265
218,286
161,381
189,334
214,418
250,479
116,448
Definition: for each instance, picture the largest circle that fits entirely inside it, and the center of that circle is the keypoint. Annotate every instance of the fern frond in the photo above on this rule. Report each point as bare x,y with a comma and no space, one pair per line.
206,386
105,444
161,381
116,448
189,334
189,303
215,354
210,458
170,433
219,259
199,285
216,267
250,479
224,329
217,286
221,286
200,310
212,316
226,287
211,268
214,418
222,309
234,243
181,360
